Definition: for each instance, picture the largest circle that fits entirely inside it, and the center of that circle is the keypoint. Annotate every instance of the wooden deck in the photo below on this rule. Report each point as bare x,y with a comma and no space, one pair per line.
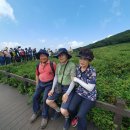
15,113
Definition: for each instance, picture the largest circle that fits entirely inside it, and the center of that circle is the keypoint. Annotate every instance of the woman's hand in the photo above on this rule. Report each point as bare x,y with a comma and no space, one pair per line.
50,93
65,98
75,79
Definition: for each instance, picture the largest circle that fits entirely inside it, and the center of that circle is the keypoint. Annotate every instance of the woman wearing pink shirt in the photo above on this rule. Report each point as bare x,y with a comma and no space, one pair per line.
45,72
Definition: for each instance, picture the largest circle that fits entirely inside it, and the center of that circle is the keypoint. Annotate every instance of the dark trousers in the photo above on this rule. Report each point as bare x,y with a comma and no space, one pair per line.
2,60
83,106
44,90
7,60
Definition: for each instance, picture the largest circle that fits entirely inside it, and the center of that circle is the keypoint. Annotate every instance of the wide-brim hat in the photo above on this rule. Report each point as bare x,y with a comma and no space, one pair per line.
42,52
62,51
88,54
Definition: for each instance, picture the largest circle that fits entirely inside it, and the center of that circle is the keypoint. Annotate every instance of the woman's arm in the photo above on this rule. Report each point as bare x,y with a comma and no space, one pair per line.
87,86
37,79
54,82
71,86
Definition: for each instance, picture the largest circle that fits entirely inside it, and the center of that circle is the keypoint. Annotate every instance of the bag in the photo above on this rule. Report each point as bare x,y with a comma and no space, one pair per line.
58,88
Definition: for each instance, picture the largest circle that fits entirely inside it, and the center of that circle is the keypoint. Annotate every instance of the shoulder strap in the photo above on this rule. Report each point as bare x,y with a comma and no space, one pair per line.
52,67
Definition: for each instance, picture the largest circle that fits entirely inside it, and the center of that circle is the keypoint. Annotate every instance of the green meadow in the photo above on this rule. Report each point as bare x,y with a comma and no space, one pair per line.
112,64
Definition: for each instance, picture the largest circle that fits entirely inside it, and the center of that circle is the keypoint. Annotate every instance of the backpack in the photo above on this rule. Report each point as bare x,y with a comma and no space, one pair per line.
51,65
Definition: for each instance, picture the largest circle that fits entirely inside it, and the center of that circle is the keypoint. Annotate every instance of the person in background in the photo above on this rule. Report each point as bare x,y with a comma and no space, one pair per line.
45,72
85,95
30,53
65,72
2,58
7,56
34,53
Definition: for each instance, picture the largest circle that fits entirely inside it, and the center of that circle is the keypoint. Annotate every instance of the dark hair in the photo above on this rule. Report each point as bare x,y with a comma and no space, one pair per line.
86,53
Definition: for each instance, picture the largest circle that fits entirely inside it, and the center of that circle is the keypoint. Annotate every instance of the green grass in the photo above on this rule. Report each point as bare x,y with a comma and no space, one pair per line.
112,64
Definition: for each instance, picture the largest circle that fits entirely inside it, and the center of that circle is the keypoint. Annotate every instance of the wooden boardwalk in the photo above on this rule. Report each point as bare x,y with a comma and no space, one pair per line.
15,113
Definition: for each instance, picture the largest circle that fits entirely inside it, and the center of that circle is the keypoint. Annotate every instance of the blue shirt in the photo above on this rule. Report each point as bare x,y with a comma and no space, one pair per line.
88,76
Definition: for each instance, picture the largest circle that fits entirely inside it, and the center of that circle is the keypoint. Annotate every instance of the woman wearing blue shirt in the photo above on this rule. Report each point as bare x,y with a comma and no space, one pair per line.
85,92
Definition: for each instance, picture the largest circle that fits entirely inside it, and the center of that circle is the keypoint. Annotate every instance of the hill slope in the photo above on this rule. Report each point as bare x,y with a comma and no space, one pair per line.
123,37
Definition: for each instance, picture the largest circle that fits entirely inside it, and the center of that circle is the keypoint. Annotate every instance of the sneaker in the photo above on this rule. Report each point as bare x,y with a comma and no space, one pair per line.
66,124
33,117
55,116
44,123
74,122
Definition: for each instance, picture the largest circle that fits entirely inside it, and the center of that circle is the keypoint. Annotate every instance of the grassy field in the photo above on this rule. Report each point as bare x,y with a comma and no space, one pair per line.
112,64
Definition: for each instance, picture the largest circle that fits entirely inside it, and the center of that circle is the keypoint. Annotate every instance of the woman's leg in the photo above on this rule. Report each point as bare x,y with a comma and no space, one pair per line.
73,107
45,107
51,100
36,99
85,107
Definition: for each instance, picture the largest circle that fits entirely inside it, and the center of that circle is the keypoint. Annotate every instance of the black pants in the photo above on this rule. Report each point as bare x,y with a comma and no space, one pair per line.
83,106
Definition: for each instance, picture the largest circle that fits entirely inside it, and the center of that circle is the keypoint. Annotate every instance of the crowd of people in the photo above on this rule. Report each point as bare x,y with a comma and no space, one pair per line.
75,85
18,54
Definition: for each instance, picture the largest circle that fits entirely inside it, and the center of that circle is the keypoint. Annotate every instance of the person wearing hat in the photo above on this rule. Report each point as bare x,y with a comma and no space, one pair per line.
65,72
45,72
85,94
7,56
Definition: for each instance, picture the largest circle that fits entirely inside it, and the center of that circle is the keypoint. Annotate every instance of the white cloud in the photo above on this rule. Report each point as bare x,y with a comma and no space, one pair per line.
116,10
9,45
109,36
75,44
94,41
60,46
6,10
43,41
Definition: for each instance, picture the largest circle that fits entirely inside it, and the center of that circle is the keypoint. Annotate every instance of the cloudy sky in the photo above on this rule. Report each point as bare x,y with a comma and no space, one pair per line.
60,23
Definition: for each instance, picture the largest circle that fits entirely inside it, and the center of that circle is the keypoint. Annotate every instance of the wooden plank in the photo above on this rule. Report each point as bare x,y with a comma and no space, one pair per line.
18,117
113,108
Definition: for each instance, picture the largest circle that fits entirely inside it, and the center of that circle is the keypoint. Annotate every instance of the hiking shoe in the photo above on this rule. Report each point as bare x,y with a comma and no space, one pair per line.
74,122
66,124
33,117
55,116
44,123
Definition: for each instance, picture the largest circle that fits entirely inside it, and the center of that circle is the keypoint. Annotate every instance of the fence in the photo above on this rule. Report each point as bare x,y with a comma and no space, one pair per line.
118,108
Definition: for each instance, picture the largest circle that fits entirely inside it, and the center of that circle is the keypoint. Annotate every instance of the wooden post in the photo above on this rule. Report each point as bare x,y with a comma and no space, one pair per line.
7,72
120,104
25,82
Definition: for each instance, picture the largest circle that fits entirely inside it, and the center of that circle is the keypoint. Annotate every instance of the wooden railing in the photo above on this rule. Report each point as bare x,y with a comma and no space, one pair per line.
118,108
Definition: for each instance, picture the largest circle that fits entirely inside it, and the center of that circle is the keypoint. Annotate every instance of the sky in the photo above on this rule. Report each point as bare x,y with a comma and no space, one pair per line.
60,23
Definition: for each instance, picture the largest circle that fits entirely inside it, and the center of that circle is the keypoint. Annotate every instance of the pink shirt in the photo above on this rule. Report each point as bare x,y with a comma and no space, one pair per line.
45,72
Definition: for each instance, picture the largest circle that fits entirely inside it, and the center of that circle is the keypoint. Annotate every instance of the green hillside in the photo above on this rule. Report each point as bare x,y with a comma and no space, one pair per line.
112,64
123,37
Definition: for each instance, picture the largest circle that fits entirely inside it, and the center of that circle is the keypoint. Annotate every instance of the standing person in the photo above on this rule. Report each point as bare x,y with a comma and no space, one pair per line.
30,53
17,55
2,58
26,54
85,95
7,56
65,71
34,53
45,72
